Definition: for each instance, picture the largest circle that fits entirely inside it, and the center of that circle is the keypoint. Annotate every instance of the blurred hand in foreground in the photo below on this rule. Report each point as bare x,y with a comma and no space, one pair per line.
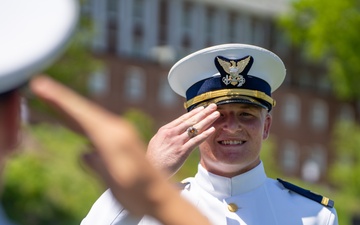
119,157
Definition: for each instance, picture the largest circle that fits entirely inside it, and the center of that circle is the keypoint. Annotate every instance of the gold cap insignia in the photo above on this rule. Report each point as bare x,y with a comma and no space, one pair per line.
232,70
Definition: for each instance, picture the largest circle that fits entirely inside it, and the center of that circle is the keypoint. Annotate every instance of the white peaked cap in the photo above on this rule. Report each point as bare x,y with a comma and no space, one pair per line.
201,66
33,33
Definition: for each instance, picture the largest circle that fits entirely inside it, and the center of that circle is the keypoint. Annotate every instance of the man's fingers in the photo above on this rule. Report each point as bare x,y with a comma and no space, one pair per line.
184,117
204,123
191,118
201,124
197,140
202,119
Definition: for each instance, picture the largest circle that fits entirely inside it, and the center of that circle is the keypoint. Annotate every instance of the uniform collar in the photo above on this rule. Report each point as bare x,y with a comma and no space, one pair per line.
224,187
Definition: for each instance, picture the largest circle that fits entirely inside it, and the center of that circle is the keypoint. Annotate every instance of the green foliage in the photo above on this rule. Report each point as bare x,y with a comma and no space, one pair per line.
75,66
46,183
78,62
189,168
346,169
268,157
144,124
345,172
329,30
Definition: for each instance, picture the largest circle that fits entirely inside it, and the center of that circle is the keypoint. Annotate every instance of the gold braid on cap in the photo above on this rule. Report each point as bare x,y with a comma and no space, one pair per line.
230,93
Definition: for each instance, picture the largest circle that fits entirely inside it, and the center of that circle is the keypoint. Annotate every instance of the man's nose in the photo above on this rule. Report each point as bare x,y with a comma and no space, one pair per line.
231,124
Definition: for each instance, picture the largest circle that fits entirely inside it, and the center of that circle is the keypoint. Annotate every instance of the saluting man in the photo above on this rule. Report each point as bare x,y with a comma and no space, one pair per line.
228,98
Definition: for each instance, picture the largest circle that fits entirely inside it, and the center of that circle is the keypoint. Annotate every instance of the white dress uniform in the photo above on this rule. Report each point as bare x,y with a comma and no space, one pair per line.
247,199
231,73
4,220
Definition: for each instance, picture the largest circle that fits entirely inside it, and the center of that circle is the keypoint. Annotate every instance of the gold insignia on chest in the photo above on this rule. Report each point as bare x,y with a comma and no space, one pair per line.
231,70
232,207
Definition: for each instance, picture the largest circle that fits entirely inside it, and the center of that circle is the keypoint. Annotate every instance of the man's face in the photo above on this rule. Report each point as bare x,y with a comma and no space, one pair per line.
235,146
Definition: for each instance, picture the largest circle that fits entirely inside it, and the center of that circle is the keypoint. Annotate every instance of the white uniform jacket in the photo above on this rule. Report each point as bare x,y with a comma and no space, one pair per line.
3,218
248,199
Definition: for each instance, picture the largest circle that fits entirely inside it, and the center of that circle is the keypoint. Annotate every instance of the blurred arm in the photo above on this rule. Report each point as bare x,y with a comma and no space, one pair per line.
119,157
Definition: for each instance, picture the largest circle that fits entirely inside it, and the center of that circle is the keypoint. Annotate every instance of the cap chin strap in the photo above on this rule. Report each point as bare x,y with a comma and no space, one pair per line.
229,93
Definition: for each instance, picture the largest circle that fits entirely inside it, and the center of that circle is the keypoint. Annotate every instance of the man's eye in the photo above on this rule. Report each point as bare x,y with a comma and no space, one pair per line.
245,114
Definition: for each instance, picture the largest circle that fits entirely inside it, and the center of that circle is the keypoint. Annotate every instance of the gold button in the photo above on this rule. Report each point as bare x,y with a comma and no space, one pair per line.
232,207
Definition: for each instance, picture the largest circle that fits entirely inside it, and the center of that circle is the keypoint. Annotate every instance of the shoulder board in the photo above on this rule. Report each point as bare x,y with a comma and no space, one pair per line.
308,194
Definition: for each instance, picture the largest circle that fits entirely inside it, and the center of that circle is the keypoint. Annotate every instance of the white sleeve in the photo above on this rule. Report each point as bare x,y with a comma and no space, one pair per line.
333,220
107,211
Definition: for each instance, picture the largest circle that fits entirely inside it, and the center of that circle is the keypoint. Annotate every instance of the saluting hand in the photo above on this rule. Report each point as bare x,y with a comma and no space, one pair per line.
172,145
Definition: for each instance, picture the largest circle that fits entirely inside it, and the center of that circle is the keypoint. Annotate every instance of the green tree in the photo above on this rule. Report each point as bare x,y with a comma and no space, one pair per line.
329,31
143,122
75,66
46,182
345,172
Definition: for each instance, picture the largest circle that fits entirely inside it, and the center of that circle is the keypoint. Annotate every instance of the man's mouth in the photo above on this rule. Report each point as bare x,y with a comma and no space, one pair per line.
231,142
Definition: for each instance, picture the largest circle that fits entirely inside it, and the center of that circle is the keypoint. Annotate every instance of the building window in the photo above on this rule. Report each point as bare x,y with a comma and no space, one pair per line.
245,31
166,96
290,157
187,22
209,26
260,32
24,111
232,31
112,25
100,25
138,46
112,7
315,165
135,84
138,11
305,80
98,82
291,110
282,43
164,55
324,84
319,115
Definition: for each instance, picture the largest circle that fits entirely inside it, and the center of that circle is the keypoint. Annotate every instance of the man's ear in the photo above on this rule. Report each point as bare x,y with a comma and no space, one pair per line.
267,125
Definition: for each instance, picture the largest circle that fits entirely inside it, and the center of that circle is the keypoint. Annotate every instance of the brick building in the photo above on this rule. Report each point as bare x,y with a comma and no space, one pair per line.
139,40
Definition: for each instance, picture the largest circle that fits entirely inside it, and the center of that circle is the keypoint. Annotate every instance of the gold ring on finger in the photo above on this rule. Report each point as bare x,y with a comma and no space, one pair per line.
192,132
